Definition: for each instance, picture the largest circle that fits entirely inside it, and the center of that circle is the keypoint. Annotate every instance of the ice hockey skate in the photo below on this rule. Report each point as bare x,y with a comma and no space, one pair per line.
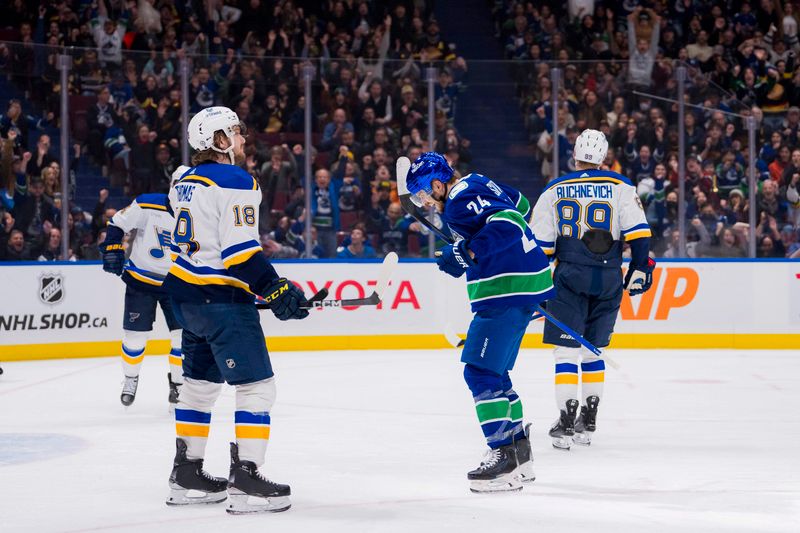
525,457
563,429
189,484
586,424
251,492
174,392
129,387
497,472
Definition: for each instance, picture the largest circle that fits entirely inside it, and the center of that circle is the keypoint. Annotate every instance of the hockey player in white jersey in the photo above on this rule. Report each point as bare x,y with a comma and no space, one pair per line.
218,269
581,220
149,221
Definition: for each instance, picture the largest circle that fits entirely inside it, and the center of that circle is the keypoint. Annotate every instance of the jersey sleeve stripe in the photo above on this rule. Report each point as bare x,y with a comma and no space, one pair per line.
511,216
240,257
544,244
139,277
143,275
240,247
637,227
638,234
523,205
153,206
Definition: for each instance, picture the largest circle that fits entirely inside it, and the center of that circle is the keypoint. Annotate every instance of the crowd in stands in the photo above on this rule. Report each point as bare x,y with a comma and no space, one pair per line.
618,62
369,105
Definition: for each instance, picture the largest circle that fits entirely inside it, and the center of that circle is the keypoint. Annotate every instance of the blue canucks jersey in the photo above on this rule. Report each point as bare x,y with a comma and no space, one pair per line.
510,269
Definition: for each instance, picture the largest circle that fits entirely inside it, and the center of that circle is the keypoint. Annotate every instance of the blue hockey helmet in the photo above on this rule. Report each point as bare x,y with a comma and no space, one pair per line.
428,167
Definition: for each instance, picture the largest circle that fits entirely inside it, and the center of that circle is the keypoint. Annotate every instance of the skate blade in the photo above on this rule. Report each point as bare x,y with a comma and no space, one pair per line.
562,443
583,439
506,483
524,472
194,497
247,504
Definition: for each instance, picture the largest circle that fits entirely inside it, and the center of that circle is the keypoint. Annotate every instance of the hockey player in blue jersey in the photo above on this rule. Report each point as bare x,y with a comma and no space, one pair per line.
217,271
149,220
507,276
581,220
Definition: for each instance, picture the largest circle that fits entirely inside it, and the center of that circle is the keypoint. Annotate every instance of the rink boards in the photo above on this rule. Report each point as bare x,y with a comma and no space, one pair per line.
51,310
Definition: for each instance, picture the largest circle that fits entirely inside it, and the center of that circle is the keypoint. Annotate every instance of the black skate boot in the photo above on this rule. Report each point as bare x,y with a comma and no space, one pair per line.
129,387
587,422
497,473
188,475
246,482
174,392
564,428
522,446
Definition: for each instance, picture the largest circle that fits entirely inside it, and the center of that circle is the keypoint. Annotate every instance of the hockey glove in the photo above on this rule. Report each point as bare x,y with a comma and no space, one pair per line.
639,279
113,258
454,259
284,299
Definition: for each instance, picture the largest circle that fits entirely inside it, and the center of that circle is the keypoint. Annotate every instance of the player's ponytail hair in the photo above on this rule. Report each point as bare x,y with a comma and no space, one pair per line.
209,154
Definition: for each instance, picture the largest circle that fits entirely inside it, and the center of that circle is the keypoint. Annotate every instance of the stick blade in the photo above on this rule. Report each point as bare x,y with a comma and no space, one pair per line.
402,166
452,337
385,275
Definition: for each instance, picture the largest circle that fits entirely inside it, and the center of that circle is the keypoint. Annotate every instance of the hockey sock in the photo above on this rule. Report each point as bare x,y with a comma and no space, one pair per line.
491,404
133,343
566,375
515,408
592,374
193,414
175,359
253,403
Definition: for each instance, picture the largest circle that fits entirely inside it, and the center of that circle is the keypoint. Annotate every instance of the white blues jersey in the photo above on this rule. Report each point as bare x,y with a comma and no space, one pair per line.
585,200
149,221
216,230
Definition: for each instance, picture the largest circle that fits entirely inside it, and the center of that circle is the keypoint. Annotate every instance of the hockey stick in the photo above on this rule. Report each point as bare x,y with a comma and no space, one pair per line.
402,167
320,295
384,276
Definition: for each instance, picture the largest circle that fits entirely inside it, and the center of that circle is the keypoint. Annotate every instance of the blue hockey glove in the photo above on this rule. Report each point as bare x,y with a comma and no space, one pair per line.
639,279
454,259
284,299
113,258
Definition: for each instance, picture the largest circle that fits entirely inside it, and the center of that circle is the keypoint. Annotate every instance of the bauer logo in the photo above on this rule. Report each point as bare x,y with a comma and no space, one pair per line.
51,288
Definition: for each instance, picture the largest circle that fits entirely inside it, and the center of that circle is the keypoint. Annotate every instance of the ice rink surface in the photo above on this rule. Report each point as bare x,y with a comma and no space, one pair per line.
381,441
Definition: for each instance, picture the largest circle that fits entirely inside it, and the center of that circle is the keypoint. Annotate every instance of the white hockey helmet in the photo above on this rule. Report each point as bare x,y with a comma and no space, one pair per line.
591,147
209,121
178,174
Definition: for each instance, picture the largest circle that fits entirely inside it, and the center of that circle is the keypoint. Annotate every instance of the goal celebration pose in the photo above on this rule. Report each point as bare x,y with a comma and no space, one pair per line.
507,276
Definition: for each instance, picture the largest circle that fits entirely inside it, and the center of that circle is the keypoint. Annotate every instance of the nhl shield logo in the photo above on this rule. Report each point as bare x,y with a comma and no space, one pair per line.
51,288
231,363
